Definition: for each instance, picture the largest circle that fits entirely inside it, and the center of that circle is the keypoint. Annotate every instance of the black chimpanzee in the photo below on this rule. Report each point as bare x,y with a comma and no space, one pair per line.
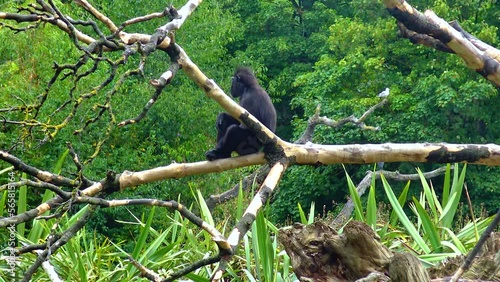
231,134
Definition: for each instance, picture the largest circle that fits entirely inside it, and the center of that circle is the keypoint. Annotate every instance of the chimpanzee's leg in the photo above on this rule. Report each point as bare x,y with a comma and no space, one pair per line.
224,121
234,137
231,136
249,146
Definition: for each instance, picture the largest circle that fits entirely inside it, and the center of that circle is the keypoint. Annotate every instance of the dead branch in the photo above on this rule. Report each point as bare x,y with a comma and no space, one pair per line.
159,84
486,154
173,205
346,212
249,216
256,178
316,120
48,14
44,176
280,156
432,31
296,154
65,237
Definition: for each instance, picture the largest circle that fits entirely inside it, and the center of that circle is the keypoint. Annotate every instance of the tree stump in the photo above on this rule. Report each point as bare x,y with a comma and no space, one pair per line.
319,254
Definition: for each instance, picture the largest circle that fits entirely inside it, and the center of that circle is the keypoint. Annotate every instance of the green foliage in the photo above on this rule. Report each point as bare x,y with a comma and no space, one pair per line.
327,53
310,218
430,232
264,261
356,199
434,97
86,257
304,184
179,127
339,54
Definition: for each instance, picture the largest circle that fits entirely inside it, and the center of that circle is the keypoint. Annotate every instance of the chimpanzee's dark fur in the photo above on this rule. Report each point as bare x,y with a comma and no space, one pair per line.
233,136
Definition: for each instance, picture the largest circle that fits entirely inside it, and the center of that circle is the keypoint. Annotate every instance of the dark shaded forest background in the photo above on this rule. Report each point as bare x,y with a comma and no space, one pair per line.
339,54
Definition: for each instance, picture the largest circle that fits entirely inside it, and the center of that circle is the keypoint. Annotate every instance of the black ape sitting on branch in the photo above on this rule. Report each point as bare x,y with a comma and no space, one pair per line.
231,134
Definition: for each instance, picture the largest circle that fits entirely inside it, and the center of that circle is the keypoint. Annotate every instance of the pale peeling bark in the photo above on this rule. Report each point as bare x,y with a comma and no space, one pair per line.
296,154
175,170
244,224
432,31
329,154
488,154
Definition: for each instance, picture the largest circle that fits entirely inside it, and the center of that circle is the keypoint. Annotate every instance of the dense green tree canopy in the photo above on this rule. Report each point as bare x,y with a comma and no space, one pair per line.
339,54
61,99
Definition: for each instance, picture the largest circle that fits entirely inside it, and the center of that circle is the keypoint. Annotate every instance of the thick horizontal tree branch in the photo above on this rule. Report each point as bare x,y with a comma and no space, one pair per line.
297,154
280,156
131,179
488,154
331,154
45,13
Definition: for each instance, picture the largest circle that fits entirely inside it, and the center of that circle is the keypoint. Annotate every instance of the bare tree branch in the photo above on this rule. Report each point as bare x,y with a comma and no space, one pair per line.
317,120
249,215
256,177
44,176
173,205
430,30
65,237
297,154
346,212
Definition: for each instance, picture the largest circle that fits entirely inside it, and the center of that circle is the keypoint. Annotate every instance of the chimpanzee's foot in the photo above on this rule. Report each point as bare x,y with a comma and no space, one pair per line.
215,155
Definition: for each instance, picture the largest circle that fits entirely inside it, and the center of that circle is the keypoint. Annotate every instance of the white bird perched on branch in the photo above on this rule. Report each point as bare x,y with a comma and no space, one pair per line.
384,93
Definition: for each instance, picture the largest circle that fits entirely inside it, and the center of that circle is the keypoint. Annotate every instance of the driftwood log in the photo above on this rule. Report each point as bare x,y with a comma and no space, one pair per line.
319,254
